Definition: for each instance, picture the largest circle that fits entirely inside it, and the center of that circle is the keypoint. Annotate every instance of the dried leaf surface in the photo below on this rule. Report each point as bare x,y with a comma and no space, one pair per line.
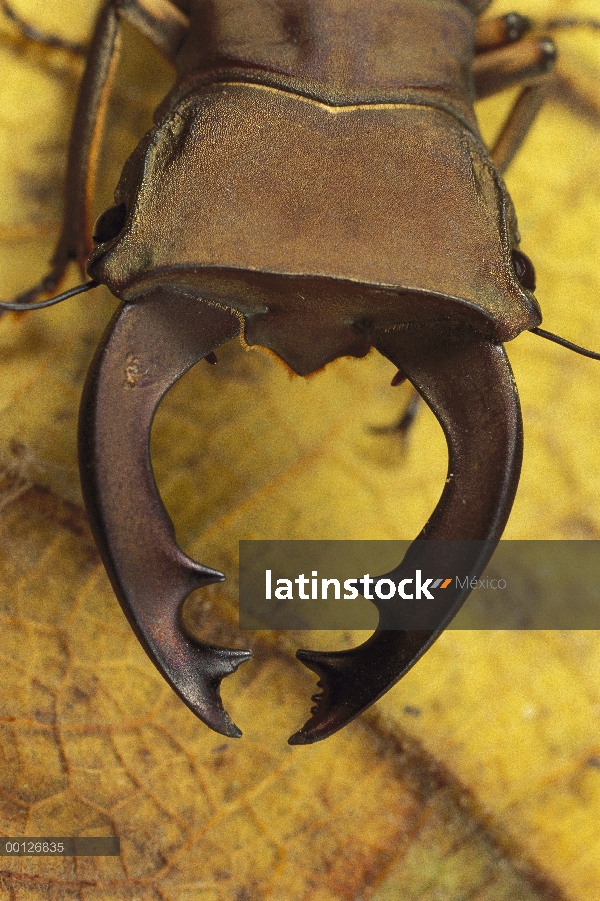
478,776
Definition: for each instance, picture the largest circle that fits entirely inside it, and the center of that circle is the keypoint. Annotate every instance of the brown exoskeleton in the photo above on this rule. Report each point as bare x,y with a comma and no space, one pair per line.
316,182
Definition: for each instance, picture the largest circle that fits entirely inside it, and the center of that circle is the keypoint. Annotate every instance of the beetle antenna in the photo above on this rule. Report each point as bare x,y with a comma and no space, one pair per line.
25,307
563,341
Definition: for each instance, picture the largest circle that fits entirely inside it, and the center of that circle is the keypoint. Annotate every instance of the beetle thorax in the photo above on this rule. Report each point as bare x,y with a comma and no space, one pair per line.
340,51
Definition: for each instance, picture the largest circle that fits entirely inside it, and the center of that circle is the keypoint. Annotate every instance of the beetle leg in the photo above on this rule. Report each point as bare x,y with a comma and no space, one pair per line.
519,63
148,346
502,60
165,26
499,31
470,388
37,36
404,424
161,21
516,127
576,86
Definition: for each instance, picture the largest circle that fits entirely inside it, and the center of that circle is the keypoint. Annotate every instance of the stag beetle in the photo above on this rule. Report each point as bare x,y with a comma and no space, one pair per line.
316,183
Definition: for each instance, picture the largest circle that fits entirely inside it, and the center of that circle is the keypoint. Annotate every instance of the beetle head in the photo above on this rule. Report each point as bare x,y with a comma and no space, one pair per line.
319,226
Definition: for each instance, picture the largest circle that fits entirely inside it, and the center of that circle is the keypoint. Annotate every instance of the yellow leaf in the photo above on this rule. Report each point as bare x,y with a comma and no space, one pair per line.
477,776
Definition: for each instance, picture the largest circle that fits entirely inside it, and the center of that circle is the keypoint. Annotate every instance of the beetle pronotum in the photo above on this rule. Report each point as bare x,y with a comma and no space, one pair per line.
307,154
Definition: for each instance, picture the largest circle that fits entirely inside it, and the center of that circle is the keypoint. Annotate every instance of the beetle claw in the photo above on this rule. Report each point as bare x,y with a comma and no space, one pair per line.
353,680
149,345
469,386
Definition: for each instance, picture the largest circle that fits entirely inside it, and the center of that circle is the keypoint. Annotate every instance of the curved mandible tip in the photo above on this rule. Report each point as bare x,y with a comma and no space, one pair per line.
469,386
148,346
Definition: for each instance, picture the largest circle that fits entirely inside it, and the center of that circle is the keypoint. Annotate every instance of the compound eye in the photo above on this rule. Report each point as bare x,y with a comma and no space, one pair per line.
524,270
109,223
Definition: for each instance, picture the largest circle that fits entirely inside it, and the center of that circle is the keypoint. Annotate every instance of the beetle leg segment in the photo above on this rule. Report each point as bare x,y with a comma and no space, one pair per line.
519,63
37,36
161,21
147,347
517,125
470,388
528,62
499,31
402,426
165,25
